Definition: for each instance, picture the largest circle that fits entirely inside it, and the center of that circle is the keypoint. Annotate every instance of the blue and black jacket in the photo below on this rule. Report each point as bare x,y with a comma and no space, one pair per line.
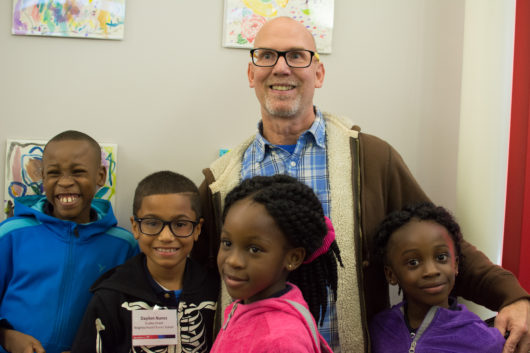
47,266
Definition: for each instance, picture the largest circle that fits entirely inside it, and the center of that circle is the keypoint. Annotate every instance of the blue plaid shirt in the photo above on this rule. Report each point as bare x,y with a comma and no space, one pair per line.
308,164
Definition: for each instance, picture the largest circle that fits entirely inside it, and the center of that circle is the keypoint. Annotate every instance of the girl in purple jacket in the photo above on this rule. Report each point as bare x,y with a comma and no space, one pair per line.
420,248
277,258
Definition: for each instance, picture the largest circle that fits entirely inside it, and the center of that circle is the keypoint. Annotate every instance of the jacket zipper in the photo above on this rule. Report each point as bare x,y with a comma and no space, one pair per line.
64,297
429,317
230,316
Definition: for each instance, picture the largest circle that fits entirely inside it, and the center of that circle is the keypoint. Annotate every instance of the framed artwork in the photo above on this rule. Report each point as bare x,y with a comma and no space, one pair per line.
101,19
23,171
244,18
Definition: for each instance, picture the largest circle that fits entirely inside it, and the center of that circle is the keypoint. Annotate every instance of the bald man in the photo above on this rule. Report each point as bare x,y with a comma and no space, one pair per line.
358,178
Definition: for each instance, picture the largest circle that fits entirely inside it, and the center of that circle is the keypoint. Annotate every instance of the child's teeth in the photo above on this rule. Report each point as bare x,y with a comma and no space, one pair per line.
67,199
166,250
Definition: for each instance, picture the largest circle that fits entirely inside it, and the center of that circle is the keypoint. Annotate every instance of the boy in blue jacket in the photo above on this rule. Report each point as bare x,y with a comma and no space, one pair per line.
55,247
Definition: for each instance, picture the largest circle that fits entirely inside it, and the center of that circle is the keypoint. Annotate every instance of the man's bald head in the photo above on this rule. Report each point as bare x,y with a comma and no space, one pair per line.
286,26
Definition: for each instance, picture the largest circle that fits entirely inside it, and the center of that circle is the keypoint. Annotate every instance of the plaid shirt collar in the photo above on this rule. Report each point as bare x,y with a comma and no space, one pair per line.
317,131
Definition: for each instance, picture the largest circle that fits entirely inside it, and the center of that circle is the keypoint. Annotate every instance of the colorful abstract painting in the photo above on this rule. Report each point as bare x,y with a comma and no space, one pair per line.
103,19
244,18
23,173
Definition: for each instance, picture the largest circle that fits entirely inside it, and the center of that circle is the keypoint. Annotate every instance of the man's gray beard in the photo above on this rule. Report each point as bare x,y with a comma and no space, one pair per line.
283,113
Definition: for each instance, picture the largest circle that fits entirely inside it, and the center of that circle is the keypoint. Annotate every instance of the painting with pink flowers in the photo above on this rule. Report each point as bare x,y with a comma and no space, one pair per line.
23,172
244,18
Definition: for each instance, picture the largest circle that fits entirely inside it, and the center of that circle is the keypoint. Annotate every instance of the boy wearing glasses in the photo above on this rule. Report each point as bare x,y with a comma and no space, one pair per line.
160,300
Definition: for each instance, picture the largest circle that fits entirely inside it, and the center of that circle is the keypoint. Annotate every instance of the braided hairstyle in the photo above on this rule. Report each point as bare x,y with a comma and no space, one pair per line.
425,211
298,213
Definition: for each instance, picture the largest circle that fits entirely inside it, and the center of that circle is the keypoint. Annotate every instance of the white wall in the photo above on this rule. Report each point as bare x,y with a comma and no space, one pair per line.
484,125
170,95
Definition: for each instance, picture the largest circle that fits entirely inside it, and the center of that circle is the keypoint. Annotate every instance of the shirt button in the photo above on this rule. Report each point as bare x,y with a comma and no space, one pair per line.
167,296
293,164
256,165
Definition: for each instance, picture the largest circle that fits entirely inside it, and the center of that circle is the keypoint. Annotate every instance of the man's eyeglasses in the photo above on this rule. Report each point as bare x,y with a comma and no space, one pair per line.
154,226
294,58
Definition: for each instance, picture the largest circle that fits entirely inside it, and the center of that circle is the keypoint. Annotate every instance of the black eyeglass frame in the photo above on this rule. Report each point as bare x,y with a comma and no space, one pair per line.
168,224
283,53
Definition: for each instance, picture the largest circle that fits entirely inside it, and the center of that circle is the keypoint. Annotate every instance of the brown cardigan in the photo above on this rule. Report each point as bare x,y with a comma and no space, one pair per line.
382,183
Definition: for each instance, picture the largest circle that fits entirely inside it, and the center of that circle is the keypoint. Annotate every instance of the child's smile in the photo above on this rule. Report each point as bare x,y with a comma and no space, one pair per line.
67,199
233,282
434,288
166,251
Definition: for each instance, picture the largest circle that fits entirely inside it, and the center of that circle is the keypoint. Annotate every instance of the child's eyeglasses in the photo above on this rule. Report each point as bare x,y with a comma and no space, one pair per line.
154,226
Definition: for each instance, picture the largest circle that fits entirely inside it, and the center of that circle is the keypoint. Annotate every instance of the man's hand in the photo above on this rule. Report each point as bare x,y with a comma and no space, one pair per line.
516,319
18,342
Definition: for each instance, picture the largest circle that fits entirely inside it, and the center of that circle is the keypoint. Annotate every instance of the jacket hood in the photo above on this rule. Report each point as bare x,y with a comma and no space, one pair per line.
272,304
122,279
33,206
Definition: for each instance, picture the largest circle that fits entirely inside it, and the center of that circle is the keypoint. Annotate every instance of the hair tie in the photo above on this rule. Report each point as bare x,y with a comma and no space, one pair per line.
328,239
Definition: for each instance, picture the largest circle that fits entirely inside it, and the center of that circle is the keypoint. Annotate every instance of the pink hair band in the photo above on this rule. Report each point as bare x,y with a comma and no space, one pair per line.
326,243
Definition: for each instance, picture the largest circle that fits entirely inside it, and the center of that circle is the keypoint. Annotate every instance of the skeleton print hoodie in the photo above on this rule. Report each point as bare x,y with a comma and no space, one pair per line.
107,324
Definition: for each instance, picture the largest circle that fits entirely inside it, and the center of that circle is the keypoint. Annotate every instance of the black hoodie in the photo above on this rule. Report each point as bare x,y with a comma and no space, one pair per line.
106,326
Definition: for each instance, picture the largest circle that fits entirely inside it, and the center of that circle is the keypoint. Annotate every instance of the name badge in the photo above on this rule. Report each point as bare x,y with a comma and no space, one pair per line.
154,327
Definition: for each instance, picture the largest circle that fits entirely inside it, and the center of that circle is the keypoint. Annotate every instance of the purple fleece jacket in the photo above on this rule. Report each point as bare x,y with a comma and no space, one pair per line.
442,330
268,326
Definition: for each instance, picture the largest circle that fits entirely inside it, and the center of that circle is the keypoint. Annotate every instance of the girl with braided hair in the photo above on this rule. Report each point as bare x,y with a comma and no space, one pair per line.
277,258
420,250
